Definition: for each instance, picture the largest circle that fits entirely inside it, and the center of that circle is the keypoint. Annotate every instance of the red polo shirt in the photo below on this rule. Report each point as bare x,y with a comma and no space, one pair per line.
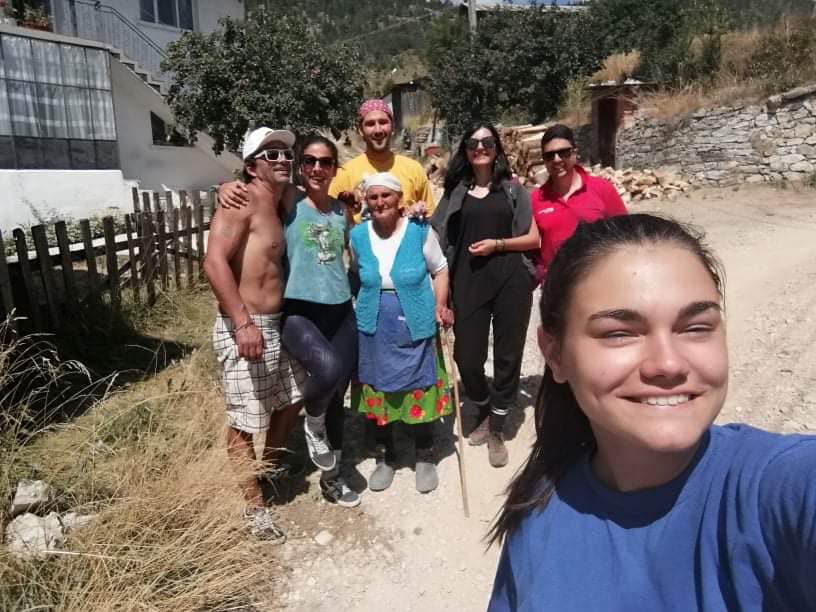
557,219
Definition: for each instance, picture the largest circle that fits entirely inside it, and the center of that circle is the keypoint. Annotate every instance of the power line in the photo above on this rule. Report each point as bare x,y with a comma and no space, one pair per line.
407,21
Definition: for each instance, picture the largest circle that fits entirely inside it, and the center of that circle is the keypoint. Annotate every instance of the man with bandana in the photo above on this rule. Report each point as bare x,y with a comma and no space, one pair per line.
375,122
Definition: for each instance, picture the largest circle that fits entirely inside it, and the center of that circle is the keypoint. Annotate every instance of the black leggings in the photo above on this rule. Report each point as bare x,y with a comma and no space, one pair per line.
423,439
323,338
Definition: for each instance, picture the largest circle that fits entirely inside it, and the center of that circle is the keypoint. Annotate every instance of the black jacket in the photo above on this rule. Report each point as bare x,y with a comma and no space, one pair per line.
451,205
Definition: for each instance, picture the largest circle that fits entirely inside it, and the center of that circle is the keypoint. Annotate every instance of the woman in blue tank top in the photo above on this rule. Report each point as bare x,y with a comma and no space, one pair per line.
319,327
631,498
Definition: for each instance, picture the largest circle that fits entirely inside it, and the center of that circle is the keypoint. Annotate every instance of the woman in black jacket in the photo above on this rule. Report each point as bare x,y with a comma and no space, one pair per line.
486,229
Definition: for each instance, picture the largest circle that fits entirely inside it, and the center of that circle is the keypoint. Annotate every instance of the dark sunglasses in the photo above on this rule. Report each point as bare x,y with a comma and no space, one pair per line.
562,153
274,155
488,142
310,161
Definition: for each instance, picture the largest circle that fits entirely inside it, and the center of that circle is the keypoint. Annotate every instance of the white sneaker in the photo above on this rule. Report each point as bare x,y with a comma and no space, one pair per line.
262,525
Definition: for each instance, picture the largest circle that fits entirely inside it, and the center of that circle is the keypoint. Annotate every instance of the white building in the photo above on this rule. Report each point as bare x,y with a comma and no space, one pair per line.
82,116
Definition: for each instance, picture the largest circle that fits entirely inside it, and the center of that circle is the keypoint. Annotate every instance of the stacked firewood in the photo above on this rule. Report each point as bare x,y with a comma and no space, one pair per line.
636,185
632,185
522,144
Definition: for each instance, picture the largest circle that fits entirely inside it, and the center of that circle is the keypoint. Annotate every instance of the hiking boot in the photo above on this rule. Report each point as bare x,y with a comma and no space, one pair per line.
320,452
336,491
426,477
382,476
496,450
261,523
478,436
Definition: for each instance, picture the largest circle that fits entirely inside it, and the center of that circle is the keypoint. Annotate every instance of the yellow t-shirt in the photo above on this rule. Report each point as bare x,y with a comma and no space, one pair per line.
415,185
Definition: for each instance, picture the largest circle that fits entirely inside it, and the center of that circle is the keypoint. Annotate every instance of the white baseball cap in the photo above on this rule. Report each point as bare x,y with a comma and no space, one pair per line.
257,138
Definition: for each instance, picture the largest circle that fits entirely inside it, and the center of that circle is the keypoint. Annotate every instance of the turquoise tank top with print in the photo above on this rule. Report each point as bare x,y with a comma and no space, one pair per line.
314,249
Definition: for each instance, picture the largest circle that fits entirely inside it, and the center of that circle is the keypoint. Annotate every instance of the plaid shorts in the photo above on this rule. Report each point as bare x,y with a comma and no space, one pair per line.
253,390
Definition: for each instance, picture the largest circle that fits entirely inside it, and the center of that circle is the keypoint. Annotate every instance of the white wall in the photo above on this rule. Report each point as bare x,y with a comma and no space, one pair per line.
210,11
157,167
30,196
206,14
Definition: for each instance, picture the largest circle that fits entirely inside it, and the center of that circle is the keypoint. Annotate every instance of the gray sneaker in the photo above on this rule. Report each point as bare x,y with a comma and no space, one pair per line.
338,492
382,476
261,523
319,450
426,477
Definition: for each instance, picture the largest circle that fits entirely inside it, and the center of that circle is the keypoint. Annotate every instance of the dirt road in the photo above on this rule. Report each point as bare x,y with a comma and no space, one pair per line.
401,551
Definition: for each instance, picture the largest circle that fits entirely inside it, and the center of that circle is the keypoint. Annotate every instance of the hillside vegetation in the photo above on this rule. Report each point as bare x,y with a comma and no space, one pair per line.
382,28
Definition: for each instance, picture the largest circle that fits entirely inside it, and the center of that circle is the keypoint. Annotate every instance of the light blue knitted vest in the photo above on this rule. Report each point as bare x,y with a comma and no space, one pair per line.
411,281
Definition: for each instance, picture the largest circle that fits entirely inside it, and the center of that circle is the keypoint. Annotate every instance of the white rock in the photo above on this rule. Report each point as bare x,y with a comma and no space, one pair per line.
30,535
324,538
74,520
29,496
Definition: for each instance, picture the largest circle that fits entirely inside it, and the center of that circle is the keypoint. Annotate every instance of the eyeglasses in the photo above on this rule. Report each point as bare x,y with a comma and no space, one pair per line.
310,161
488,142
562,153
276,155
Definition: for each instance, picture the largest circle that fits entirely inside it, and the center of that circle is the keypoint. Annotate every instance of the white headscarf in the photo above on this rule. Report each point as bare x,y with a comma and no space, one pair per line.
382,179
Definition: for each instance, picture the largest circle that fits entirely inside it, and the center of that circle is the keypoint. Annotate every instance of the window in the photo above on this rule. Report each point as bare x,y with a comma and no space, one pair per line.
174,13
164,135
56,106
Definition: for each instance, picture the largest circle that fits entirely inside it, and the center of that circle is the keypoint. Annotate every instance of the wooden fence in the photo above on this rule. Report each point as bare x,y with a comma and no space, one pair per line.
162,243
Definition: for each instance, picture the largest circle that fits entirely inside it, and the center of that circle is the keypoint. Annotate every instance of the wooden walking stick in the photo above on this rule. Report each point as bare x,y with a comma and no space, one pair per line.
453,375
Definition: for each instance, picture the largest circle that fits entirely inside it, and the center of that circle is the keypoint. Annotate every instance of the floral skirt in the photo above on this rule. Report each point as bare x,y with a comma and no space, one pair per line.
412,406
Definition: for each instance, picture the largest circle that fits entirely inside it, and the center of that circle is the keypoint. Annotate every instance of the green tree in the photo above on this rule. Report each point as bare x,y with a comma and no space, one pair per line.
748,13
268,70
382,28
666,33
518,62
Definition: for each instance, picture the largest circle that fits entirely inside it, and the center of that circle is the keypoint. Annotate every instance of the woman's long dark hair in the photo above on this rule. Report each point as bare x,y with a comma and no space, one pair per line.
563,432
459,170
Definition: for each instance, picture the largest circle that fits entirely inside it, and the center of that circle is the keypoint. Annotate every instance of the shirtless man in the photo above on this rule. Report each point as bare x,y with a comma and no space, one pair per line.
262,385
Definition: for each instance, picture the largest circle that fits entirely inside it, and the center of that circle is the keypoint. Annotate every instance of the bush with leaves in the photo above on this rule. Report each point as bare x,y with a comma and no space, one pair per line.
679,41
518,62
785,56
268,70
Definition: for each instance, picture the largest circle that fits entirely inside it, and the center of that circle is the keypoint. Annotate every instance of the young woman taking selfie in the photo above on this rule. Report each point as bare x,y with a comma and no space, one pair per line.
632,499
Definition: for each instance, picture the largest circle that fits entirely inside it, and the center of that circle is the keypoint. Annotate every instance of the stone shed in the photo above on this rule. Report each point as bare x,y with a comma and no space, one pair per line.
614,107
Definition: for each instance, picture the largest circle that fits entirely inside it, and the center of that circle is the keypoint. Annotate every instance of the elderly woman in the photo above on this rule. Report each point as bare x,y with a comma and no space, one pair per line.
401,370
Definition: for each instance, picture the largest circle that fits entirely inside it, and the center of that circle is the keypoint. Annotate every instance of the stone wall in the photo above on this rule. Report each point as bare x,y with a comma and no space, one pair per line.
727,146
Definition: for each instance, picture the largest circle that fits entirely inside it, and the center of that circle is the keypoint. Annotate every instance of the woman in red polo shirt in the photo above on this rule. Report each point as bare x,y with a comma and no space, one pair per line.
569,196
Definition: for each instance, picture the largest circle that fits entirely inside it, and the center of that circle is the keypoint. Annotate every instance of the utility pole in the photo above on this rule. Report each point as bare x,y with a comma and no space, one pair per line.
472,15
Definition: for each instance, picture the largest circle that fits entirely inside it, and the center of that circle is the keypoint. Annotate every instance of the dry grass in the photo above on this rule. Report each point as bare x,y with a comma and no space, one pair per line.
753,65
576,106
149,459
618,67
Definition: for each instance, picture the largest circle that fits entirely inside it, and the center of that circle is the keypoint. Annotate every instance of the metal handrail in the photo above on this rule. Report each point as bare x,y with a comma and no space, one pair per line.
106,8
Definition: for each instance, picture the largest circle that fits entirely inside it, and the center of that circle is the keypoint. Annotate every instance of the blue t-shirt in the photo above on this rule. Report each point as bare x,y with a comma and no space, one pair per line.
314,249
735,531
